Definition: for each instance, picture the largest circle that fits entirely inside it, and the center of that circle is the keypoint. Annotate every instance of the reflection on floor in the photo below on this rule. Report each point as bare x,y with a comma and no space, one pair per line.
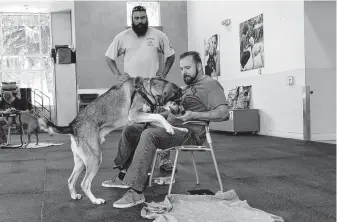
327,141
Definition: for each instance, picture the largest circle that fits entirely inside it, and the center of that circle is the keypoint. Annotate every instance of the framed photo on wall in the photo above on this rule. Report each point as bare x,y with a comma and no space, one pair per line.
252,44
212,55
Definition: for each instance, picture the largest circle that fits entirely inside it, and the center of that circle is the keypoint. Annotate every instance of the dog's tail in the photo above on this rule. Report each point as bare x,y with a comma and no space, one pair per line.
51,128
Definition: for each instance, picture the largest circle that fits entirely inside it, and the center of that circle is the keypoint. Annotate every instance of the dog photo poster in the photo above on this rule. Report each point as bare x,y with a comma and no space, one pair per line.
252,44
212,55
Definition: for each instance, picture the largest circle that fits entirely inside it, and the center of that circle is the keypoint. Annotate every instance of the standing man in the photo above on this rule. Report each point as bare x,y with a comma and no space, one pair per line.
141,46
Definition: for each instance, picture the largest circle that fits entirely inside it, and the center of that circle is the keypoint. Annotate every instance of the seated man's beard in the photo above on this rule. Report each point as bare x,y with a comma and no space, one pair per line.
140,29
189,79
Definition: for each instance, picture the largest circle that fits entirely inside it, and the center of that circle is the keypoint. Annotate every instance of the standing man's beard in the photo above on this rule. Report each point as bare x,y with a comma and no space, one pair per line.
141,28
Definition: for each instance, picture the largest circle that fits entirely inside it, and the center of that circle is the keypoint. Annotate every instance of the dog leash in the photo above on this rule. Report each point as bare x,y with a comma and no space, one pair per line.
139,89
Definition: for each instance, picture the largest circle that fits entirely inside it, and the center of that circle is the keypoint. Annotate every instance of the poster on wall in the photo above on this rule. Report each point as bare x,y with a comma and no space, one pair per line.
252,44
212,55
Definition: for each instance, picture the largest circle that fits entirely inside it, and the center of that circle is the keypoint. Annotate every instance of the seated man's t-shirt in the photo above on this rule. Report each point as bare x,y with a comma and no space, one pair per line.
19,104
203,96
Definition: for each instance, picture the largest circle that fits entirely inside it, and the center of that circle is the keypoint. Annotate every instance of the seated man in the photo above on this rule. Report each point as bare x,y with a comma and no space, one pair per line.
203,99
14,103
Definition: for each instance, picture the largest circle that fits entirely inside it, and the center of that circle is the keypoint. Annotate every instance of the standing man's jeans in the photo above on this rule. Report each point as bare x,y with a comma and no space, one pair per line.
137,147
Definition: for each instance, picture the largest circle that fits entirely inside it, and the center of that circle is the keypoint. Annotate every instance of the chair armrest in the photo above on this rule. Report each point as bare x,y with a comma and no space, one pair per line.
196,123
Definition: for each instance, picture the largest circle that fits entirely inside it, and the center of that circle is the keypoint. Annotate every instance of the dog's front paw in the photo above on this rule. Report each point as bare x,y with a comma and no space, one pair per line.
99,201
169,129
76,196
181,129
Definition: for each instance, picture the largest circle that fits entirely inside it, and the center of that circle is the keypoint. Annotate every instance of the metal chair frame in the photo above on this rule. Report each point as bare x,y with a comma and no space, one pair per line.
191,149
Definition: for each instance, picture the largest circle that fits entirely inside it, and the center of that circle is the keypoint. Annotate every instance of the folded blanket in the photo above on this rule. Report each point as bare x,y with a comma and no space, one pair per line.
223,206
32,145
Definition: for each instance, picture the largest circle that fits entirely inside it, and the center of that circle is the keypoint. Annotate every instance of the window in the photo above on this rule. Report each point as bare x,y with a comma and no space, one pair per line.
25,46
152,10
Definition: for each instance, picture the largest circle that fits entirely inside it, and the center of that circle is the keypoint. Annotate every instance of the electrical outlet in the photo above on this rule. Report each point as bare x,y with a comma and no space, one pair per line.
290,80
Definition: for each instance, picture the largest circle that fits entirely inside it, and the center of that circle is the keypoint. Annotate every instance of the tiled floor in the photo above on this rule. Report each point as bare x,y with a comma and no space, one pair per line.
289,178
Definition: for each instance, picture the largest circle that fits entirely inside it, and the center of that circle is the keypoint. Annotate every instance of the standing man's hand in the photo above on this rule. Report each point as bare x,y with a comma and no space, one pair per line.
123,77
160,75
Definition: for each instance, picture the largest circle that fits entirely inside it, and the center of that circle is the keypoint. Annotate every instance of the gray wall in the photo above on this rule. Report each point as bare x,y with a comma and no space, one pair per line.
97,23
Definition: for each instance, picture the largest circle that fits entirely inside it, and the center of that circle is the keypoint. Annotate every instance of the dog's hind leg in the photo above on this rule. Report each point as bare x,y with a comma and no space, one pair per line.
92,166
37,135
92,161
29,132
78,168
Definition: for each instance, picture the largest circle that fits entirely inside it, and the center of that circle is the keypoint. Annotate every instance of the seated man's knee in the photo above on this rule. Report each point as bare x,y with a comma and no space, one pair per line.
127,129
150,135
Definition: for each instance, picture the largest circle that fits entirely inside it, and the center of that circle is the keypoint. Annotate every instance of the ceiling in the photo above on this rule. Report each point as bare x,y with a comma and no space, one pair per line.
35,6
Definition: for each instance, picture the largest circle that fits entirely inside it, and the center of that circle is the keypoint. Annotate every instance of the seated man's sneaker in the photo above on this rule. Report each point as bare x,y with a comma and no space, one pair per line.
115,182
130,199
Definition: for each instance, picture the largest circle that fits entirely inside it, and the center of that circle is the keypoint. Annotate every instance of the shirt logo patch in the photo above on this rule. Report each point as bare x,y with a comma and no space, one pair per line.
150,41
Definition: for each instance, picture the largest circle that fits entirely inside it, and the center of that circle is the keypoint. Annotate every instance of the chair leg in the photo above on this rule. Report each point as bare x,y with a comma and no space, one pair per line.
153,166
195,166
173,171
216,167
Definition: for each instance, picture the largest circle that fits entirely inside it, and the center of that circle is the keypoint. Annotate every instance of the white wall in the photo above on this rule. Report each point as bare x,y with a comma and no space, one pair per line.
320,59
280,105
65,91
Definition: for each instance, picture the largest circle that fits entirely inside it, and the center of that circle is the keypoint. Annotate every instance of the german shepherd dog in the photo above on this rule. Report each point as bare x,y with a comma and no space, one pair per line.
120,105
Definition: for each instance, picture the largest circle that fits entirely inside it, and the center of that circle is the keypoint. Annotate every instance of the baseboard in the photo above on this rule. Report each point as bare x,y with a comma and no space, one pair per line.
282,134
299,136
323,136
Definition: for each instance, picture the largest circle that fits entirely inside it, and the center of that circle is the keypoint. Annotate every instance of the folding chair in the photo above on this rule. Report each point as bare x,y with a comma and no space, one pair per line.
191,149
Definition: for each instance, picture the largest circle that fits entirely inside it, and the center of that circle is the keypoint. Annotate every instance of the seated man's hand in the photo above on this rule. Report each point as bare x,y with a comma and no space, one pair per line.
189,115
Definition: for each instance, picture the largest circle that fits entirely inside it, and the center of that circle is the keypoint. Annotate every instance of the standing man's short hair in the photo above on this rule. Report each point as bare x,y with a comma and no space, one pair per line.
138,8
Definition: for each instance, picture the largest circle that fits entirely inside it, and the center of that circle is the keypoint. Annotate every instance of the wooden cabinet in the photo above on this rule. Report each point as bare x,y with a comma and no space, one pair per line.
240,120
